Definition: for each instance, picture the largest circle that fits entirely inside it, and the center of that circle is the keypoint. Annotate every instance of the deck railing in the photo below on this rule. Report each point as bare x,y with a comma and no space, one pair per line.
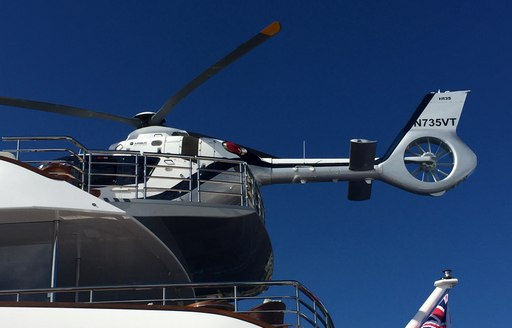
141,175
281,303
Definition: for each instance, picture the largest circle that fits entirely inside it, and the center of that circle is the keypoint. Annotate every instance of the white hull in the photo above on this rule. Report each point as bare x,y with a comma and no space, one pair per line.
58,317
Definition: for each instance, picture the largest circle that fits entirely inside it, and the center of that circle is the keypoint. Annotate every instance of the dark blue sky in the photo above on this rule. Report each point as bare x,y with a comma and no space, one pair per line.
338,70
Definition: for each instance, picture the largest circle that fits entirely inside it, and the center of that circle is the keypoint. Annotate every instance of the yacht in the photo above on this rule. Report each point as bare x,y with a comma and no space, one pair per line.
73,258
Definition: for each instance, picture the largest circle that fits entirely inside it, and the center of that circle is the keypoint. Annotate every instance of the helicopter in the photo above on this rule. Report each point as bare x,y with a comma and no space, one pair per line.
427,157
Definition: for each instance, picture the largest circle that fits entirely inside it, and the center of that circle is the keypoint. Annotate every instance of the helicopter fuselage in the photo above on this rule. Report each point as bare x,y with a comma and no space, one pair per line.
423,159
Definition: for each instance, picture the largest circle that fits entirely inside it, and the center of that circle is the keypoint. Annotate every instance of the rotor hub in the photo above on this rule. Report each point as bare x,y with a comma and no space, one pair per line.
430,162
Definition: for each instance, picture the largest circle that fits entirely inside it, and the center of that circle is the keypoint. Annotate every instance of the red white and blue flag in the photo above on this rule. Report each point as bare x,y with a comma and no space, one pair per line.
439,316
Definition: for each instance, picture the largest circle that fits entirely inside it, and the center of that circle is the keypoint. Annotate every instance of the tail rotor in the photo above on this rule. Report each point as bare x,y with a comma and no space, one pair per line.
428,157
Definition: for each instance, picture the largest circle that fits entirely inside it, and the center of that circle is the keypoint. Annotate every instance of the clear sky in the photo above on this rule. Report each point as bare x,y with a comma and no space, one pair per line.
338,70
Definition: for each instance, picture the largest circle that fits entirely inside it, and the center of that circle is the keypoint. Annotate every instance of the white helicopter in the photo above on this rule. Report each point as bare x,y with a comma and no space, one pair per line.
427,156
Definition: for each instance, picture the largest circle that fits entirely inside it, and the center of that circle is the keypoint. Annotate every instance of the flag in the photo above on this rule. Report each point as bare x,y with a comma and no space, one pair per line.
438,317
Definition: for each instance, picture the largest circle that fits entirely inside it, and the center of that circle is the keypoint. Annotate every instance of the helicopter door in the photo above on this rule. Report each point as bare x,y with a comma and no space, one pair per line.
181,145
207,147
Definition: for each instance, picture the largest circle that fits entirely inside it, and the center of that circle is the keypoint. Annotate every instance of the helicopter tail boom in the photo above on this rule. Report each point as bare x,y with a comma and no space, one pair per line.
427,156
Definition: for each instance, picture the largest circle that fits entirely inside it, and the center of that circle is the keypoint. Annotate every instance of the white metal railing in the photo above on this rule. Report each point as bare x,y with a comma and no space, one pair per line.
291,304
143,175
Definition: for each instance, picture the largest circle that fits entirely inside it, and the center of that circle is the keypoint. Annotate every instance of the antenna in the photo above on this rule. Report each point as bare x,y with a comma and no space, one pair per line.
304,150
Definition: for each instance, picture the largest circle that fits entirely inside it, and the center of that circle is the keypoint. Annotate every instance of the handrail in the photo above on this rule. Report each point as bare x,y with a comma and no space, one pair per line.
54,138
312,313
204,179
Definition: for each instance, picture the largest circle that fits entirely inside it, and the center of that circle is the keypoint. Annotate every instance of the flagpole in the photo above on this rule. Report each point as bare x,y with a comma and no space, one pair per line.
442,286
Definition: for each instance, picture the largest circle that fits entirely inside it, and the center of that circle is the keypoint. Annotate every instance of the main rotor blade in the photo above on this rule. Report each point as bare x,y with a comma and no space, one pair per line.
242,49
66,110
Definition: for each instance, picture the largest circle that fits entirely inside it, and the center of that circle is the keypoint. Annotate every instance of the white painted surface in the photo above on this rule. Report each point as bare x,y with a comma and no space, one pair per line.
22,188
25,317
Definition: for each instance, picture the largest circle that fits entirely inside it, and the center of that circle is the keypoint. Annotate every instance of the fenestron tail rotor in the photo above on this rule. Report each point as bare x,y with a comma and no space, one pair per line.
158,118
429,159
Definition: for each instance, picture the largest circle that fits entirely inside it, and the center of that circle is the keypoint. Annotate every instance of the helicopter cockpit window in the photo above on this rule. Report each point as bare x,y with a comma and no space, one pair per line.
120,170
